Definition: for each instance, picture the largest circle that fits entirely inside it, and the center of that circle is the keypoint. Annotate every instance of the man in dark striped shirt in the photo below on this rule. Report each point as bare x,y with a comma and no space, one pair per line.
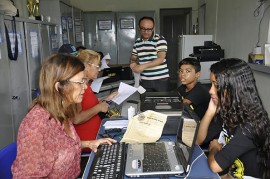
149,57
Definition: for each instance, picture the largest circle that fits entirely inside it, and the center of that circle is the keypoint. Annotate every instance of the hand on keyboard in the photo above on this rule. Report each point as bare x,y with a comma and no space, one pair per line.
108,162
93,144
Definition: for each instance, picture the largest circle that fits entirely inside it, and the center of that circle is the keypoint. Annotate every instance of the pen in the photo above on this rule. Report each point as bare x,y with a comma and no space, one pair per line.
108,102
189,105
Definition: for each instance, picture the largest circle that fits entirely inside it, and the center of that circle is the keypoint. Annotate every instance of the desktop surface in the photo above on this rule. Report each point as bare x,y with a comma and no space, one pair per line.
199,166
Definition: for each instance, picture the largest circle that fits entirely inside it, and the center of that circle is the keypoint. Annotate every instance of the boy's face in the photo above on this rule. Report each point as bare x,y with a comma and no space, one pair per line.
187,74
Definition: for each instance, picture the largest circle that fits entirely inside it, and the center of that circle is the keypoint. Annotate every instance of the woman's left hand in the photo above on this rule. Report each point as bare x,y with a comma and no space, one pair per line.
111,96
214,145
93,144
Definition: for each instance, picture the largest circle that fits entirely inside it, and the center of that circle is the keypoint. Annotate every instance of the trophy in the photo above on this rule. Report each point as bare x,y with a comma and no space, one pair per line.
33,9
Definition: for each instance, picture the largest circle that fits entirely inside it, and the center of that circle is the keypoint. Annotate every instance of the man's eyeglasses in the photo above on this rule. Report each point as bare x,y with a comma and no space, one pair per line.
82,83
98,67
146,30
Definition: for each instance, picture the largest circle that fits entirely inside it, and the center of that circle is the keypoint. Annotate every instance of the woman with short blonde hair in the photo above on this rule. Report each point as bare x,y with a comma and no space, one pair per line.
87,121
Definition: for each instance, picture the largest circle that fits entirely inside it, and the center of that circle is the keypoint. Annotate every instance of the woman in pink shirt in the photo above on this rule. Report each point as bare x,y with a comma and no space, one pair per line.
48,145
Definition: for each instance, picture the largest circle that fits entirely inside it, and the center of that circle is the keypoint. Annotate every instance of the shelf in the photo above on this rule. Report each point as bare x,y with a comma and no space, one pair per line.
260,68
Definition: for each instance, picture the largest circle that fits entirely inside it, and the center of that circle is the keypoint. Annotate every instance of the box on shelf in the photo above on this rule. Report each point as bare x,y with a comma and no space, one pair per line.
256,58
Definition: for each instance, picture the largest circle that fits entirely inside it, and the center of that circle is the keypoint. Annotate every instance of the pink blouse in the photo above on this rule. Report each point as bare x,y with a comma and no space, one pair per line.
44,149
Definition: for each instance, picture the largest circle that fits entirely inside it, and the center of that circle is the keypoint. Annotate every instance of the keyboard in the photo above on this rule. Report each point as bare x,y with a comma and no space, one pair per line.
155,158
109,162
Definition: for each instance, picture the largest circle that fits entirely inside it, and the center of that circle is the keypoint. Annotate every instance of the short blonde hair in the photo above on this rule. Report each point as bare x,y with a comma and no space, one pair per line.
88,56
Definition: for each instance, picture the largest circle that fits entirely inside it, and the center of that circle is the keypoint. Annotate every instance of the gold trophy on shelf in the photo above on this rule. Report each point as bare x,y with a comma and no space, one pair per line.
33,8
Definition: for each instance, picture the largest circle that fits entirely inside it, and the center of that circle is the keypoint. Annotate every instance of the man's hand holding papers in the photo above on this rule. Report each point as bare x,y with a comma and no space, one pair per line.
145,127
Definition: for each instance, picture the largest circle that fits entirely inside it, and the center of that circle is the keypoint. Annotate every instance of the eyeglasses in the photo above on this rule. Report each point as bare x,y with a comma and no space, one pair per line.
82,83
98,67
146,30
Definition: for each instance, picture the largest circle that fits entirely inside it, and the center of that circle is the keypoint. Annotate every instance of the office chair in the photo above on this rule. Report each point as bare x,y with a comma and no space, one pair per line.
7,156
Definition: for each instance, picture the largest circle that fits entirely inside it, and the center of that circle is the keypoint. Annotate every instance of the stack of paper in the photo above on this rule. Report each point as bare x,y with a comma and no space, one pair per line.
116,124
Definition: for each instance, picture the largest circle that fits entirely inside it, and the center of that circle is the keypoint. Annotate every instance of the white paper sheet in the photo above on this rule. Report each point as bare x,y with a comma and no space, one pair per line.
96,84
141,90
104,62
124,91
137,77
116,124
34,44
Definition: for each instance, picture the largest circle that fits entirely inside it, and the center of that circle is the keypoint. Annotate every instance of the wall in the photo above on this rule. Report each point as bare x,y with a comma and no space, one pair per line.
135,5
236,30
230,21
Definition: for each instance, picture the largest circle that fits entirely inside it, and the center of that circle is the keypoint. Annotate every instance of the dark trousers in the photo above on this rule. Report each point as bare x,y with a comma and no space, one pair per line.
160,85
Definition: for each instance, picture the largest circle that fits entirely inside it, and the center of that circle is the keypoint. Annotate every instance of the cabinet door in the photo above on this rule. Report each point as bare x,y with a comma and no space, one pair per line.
128,32
126,35
6,120
45,41
19,85
100,33
33,45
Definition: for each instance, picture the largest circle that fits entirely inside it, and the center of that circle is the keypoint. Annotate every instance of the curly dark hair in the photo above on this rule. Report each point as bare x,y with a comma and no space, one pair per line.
241,105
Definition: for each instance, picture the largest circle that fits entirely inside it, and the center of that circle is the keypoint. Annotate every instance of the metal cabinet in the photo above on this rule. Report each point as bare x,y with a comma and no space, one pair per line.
49,40
113,33
100,33
20,78
33,55
6,121
126,35
19,84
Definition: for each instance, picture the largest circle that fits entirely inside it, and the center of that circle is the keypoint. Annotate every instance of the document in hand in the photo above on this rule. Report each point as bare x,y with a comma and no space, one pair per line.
145,127
96,84
124,91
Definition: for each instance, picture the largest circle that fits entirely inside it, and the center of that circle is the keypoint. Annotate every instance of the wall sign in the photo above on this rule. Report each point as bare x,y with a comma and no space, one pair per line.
70,22
54,42
78,30
104,24
64,23
34,44
127,23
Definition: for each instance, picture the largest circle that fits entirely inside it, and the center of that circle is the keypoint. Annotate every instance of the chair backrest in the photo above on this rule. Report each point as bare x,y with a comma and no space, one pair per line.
7,156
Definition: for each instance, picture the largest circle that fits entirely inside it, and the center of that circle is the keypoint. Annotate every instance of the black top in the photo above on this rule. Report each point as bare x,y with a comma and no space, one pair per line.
199,97
239,153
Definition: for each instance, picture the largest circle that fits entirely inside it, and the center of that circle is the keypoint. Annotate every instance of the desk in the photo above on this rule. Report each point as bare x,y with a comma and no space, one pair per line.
199,167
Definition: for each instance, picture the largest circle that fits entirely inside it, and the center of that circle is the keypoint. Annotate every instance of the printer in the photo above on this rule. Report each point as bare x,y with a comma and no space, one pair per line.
209,52
168,103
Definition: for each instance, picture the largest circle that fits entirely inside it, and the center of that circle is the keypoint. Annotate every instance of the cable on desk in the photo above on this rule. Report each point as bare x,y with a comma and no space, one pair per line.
192,164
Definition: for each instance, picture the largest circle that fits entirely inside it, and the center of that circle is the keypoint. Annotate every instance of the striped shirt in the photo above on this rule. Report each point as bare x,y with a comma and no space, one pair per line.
147,51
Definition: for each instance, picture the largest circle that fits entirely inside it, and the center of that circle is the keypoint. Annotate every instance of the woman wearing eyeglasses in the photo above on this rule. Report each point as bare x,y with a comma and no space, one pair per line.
87,120
48,145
